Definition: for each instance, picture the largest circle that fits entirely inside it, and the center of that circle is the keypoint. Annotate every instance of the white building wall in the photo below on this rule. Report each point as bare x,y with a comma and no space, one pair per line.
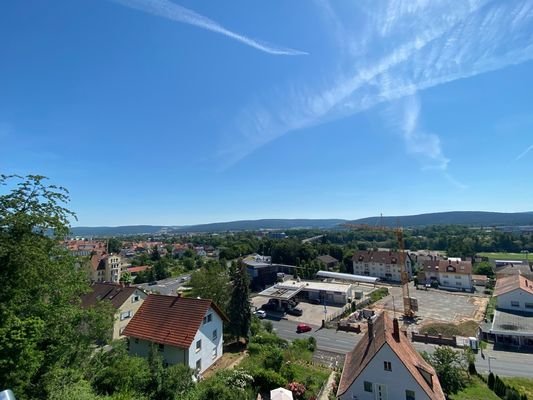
129,307
211,350
505,301
396,381
460,281
381,270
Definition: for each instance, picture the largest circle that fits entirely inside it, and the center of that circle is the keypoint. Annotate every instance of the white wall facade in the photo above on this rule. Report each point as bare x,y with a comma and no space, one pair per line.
516,300
211,348
381,270
451,279
391,385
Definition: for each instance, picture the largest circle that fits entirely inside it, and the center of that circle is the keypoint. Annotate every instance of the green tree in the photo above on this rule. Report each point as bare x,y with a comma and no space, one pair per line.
449,365
114,245
42,325
239,310
212,283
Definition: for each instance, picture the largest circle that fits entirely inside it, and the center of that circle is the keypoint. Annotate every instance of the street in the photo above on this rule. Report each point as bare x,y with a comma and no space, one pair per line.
502,363
166,286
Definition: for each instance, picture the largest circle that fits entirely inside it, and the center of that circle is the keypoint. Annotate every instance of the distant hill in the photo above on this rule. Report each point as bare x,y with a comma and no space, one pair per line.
247,225
471,218
89,231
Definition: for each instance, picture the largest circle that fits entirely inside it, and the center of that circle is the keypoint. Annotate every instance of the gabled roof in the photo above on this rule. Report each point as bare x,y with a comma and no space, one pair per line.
171,320
509,283
114,292
363,353
451,266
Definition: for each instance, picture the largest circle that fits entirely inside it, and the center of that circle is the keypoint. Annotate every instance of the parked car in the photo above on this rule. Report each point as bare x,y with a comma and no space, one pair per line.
303,328
260,314
295,311
314,301
152,283
269,306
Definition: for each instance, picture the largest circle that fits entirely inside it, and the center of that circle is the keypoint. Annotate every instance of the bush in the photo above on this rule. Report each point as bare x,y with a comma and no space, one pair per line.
266,380
472,368
297,389
490,381
287,371
270,339
273,358
311,345
268,326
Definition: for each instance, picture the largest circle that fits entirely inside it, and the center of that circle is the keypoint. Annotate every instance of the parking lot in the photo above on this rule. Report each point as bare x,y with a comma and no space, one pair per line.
312,314
436,305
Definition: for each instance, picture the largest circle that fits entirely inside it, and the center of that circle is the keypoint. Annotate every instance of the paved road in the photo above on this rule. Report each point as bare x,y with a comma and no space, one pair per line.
337,342
166,286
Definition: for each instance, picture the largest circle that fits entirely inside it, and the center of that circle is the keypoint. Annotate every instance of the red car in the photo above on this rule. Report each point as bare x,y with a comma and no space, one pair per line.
303,328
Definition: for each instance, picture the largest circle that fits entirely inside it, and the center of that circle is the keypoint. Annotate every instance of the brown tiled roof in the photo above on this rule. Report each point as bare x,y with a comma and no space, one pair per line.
385,257
512,282
456,267
113,292
170,320
357,360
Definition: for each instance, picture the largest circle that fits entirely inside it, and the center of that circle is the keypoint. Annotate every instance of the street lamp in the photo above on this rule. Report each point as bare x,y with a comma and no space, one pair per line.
494,358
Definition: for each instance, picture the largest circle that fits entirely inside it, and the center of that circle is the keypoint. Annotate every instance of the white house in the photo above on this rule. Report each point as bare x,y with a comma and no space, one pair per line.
512,324
381,264
450,273
515,293
185,330
385,366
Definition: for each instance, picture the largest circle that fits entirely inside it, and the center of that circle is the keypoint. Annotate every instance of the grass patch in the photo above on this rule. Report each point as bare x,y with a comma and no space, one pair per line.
477,390
491,306
378,294
523,385
503,256
467,328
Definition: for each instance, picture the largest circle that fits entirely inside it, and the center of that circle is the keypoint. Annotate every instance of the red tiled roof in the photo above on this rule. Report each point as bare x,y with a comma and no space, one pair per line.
138,268
170,320
358,359
456,267
115,293
512,282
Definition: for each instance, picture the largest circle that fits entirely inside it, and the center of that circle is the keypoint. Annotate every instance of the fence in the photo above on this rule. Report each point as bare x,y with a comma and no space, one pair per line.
338,313
442,340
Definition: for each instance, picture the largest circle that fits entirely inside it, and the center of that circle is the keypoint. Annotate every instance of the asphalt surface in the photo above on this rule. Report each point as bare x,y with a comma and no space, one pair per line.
167,286
333,345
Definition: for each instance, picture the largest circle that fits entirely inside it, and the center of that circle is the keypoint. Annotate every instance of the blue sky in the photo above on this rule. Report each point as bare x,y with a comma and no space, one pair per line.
184,112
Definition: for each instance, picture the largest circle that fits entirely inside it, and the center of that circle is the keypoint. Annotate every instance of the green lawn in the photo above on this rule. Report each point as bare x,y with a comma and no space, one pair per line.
504,256
478,390
523,385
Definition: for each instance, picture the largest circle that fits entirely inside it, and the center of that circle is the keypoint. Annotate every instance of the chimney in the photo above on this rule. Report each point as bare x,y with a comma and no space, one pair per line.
396,329
370,329
179,294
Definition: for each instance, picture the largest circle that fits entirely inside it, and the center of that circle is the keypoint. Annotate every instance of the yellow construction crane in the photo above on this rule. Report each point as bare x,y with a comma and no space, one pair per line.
410,304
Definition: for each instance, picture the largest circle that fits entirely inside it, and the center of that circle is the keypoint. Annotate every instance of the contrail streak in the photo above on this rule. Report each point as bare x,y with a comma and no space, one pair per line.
524,152
175,12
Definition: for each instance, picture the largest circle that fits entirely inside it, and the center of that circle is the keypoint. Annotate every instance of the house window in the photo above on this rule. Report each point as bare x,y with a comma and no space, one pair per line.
135,298
209,317
198,345
161,347
125,315
387,365
136,341
368,386
215,353
458,284
457,276
528,305
199,365
215,335
515,304
409,395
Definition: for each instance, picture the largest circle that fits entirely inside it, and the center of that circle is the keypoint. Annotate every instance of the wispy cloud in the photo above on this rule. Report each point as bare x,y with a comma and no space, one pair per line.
524,153
175,12
411,46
